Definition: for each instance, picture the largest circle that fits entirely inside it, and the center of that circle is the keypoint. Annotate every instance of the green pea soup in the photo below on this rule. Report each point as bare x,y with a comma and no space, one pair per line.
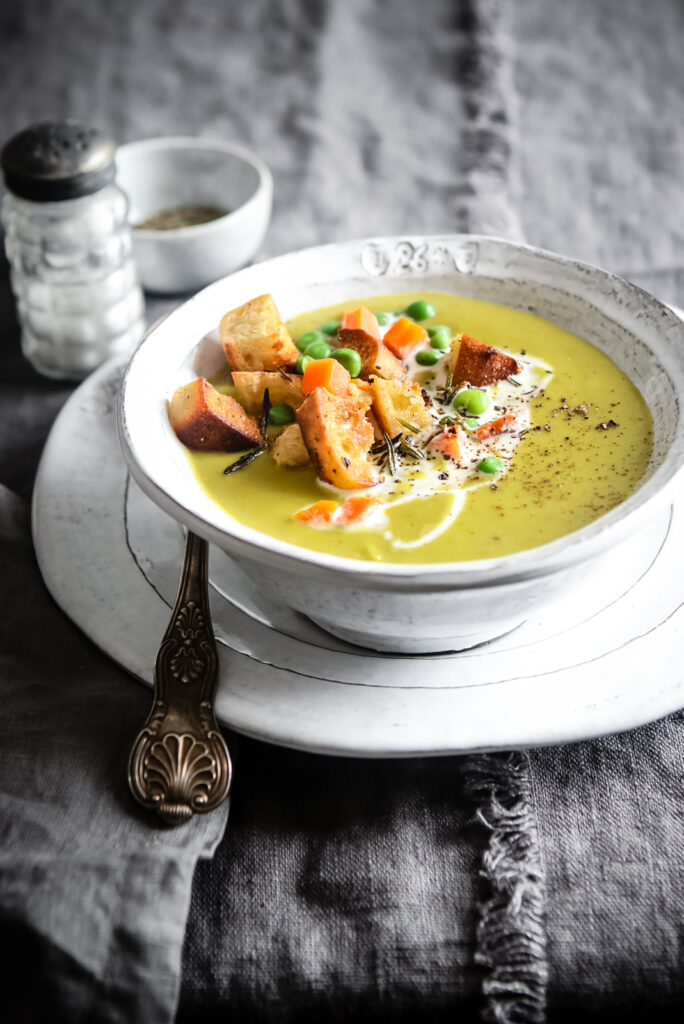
587,448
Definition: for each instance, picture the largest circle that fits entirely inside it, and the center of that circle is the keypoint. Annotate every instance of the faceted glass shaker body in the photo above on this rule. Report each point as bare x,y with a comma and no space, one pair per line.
74,279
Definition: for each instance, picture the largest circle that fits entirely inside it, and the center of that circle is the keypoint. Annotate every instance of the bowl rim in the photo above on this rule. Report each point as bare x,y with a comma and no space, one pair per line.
190,142
568,550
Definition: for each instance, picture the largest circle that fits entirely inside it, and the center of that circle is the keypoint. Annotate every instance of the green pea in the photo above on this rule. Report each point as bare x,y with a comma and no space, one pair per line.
440,336
301,363
428,357
309,338
383,318
281,414
330,327
318,350
473,401
420,310
350,359
490,465
471,424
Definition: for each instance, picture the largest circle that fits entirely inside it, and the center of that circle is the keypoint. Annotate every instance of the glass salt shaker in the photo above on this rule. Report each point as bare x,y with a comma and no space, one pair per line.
68,241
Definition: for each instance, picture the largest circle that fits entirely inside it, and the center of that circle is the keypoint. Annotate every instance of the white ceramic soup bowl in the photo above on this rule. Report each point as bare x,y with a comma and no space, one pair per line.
411,608
172,171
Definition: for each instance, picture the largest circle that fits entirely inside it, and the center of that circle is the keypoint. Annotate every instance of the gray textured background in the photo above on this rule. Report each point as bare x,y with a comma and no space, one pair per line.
351,889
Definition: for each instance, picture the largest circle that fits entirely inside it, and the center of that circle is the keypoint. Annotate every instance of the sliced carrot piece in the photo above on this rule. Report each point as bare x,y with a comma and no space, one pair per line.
355,510
504,425
361,319
319,514
328,374
448,442
404,337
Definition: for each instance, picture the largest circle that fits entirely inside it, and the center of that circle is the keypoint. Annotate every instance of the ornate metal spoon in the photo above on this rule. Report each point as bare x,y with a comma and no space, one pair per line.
179,764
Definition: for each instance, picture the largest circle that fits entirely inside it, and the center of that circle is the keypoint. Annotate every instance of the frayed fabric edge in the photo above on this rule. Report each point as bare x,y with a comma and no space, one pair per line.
511,933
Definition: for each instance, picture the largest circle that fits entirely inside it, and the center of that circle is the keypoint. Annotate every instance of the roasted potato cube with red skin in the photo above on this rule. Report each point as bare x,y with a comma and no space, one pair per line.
376,358
396,400
205,420
255,338
250,387
337,436
478,364
288,448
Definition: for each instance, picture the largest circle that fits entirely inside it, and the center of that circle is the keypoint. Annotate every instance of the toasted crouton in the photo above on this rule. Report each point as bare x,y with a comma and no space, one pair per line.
397,400
255,338
376,357
282,387
479,364
337,436
206,420
361,395
288,449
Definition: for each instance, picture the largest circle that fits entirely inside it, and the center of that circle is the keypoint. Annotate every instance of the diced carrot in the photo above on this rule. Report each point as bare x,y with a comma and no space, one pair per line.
319,514
503,425
362,385
404,337
328,374
361,319
448,442
355,510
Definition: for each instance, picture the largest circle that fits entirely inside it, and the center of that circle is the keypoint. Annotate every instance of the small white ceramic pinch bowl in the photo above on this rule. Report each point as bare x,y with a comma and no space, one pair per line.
172,171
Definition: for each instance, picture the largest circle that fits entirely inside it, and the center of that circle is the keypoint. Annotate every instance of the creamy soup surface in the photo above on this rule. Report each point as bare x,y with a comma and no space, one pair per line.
585,444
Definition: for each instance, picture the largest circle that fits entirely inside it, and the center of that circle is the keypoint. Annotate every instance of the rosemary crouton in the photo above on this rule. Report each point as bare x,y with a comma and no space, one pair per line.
288,448
478,364
395,401
376,358
206,420
282,387
255,338
337,436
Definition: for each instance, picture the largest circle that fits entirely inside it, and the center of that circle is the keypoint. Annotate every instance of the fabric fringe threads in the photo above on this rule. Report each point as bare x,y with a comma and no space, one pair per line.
511,935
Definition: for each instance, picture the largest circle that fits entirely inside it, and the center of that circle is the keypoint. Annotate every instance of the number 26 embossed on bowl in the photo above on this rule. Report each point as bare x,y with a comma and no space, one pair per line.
418,607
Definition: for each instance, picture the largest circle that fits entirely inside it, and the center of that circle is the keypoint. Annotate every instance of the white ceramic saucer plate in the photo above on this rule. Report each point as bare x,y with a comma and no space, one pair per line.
603,658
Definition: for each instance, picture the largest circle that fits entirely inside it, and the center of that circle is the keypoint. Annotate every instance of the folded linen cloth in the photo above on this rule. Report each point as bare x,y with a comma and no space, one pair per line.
93,892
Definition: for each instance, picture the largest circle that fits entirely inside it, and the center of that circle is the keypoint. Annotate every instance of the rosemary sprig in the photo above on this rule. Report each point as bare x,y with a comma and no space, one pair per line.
265,409
245,459
448,392
517,383
385,451
391,454
409,426
410,448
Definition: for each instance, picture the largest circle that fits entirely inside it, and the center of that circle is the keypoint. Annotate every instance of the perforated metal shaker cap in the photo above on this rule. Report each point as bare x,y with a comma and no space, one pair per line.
57,160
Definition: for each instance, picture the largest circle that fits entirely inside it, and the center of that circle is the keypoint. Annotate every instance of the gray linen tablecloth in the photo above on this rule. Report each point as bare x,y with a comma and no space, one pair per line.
526,886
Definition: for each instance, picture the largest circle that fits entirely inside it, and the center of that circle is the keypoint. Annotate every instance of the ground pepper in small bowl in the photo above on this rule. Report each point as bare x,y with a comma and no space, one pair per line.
181,217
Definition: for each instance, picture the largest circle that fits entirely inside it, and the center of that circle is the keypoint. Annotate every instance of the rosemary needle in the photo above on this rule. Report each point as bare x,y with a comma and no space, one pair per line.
245,459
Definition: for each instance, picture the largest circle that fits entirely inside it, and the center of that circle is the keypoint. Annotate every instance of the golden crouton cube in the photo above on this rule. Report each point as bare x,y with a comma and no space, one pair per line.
206,420
282,387
376,358
255,338
288,448
478,364
337,436
397,400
